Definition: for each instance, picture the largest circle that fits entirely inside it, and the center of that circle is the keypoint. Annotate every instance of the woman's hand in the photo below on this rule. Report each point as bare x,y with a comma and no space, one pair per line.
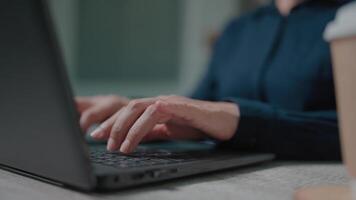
167,117
97,109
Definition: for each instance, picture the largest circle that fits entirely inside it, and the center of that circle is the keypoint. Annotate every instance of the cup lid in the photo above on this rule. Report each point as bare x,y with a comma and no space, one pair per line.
344,24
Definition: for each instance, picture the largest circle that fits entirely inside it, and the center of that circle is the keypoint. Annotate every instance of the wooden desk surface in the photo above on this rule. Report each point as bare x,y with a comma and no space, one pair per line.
275,180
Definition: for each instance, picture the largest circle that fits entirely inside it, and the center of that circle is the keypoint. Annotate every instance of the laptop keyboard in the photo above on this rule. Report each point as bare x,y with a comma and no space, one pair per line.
138,158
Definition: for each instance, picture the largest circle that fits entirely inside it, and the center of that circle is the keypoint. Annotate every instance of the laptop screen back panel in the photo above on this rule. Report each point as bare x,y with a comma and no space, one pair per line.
39,133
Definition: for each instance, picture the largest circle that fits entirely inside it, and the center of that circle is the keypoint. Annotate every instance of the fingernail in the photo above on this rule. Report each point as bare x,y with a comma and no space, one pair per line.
125,147
96,133
111,145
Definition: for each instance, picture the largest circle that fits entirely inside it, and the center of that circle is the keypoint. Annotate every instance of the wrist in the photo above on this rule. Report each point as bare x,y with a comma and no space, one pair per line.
232,113
221,119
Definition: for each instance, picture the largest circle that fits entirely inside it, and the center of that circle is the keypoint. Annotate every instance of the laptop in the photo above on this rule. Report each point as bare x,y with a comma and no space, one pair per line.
40,134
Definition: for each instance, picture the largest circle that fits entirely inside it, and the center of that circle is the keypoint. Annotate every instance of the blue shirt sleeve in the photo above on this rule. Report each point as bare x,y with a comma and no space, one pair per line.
288,134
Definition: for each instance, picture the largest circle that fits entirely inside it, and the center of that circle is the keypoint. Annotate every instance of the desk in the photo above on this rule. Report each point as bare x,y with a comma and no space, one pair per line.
274,180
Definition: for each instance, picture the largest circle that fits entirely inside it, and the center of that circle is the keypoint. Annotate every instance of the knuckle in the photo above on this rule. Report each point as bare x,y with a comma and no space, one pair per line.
162,98
117,128
115,132
159,105
168,97
92,115
133,135
112,98
116,99
134,105
165,97
153,109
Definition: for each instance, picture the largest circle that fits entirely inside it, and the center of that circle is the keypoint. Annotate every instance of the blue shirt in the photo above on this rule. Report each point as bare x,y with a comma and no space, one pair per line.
277,69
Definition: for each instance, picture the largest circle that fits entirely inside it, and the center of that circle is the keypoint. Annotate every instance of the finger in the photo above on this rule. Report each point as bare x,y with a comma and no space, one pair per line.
89,117
103,131
125,120
159,132
144,124
97,114
83,103
94,115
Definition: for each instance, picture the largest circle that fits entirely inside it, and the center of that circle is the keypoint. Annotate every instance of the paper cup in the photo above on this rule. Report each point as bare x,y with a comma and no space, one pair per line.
341,33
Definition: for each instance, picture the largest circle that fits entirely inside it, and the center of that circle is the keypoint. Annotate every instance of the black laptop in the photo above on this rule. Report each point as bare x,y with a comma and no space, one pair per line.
40,134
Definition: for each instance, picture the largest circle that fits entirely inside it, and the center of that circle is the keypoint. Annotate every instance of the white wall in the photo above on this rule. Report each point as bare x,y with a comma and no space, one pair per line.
199,18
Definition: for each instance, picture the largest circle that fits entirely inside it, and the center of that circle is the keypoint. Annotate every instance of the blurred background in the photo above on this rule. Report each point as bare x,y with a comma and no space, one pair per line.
140,48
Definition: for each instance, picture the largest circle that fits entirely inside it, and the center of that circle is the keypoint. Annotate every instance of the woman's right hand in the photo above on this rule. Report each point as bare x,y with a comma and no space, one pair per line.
96,109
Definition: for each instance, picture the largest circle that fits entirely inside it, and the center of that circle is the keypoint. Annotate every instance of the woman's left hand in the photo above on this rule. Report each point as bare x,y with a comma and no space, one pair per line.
165,118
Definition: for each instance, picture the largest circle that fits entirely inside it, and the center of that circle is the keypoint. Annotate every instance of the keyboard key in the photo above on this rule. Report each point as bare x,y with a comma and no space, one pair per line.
138,159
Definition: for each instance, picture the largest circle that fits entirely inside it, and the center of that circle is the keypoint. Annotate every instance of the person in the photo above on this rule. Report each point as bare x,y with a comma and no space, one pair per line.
269,88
